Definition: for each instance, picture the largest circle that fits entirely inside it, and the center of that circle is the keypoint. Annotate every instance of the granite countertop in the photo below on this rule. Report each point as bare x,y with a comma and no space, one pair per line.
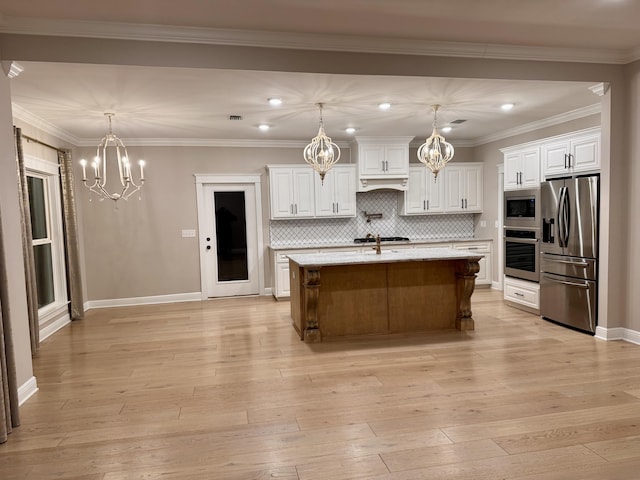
387,256
301,246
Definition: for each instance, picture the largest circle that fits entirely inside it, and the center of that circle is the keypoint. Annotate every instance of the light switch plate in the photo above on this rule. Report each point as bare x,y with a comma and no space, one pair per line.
189,233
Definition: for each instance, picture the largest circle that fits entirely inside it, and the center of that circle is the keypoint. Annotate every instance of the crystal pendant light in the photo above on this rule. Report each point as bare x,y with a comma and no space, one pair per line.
435,152
321,153
112,150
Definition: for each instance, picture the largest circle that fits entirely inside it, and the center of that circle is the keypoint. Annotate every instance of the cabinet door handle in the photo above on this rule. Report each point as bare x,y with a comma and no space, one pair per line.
291,208
337,208
296,208
427,204
424,204
570,158
466,203
462,203
566,158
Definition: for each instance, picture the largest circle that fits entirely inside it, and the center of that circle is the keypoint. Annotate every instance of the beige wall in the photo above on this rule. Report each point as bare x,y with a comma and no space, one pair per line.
137,250
12,246
630,296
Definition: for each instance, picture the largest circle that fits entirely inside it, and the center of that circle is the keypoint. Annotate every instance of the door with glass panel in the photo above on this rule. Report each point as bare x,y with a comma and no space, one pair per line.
231,242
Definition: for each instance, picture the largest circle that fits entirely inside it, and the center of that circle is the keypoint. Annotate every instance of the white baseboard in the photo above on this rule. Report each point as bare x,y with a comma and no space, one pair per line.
126,302
618,333
267,291
54,326
496,285
26,390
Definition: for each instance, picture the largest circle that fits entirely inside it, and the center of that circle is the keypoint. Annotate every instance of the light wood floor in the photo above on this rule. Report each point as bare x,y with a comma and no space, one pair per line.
224,389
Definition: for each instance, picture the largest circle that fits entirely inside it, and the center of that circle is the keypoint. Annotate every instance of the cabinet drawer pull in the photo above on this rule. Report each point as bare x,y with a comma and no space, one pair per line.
518,294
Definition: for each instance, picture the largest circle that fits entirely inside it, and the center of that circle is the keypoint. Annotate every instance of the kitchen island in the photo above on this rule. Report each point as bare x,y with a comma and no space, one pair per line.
338,294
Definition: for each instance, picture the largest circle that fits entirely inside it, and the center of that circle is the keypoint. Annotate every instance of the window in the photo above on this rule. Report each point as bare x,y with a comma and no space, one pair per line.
47,239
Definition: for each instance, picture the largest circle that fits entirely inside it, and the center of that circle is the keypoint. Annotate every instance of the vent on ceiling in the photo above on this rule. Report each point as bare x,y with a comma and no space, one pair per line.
235,117
457,122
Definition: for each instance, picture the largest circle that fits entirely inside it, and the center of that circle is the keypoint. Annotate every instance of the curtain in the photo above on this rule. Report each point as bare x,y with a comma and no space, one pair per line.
8,385
74,279
27,247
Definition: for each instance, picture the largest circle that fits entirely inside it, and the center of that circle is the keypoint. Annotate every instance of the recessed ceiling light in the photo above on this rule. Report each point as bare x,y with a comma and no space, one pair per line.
275,102
384,106
446,129
507,106
264,127
350,130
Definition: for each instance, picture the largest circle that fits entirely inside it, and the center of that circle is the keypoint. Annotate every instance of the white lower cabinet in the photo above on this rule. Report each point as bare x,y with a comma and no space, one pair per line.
280,271
484,275
522,293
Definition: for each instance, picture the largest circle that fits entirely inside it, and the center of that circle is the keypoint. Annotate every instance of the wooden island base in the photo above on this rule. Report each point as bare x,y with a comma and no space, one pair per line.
378,298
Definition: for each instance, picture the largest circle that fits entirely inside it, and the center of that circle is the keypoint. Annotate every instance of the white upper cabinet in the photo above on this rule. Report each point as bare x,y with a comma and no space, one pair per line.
521,168
463,187
336,197
382,162
291,192
577,152
424,195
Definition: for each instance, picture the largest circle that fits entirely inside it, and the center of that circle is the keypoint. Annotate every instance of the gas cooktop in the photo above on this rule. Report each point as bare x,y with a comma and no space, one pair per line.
382,239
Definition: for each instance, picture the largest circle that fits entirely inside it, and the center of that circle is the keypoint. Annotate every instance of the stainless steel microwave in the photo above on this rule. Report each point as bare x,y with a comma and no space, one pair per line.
522,208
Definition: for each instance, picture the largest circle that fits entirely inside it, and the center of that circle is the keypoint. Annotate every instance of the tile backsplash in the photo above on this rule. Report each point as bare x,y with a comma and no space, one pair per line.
344,230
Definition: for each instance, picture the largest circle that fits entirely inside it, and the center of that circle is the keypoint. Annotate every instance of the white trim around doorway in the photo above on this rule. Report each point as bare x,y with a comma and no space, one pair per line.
203,179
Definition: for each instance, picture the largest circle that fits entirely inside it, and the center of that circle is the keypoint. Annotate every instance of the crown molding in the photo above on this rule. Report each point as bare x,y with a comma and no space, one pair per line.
26,116
537,125
634,54
205,142
342,43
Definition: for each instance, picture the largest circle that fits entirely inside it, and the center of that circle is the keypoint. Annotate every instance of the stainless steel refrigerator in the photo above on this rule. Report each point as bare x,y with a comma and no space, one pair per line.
569,251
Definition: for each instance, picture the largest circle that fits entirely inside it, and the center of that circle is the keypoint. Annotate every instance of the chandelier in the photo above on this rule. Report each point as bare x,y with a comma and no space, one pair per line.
435,152
321,153
111,149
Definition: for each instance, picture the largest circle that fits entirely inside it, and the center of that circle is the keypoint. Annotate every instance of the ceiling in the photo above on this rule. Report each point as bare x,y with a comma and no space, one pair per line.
193,104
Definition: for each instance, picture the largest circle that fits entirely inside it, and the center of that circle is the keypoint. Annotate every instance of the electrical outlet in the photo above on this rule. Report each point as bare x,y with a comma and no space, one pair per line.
483,223
189,233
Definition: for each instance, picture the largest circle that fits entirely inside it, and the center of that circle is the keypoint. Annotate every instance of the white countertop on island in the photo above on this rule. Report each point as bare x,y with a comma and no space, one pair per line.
320,244
388,255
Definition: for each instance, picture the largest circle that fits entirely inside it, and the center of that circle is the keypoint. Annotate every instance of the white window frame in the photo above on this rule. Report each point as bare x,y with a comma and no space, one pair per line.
50,174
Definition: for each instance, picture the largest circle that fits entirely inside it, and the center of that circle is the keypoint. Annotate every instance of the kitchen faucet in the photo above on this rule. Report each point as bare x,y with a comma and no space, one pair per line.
377,247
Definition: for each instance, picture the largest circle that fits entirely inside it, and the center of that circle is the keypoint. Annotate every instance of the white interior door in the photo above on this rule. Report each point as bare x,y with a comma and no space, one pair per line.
230,240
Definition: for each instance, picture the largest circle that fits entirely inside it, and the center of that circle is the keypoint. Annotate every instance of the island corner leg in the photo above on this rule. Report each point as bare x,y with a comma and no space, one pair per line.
311,286
466,281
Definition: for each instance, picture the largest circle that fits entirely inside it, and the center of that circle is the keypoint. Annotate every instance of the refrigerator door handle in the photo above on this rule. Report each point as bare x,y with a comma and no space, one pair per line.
571,284
572,262
563,217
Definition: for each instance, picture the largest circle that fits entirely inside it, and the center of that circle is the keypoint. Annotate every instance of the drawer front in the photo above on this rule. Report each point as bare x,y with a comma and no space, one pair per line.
474,247
283,255
524,296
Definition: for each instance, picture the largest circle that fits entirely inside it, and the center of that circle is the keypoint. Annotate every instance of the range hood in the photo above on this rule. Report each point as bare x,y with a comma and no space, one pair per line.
388,183
382,162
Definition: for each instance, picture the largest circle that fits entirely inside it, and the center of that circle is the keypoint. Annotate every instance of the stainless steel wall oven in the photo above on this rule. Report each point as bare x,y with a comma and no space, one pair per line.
522,253
522,234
